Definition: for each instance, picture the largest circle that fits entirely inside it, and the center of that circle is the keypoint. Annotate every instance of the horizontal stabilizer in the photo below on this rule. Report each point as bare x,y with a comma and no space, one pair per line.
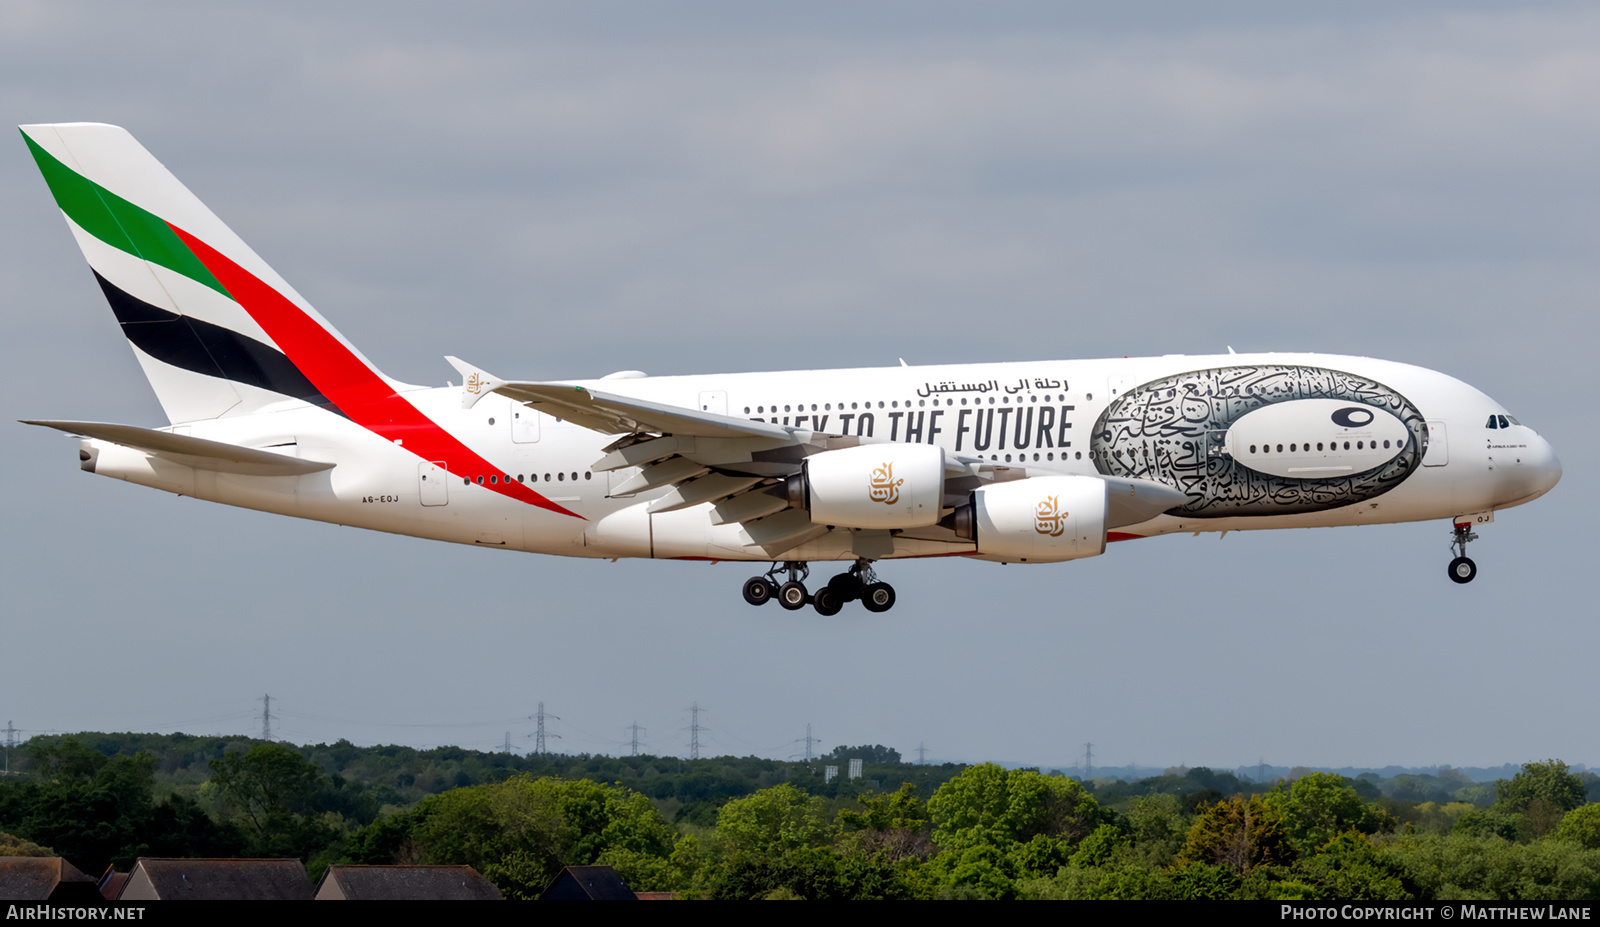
198,453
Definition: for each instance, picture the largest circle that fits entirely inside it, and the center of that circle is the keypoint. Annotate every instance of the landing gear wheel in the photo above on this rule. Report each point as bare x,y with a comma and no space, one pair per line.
847,586
792,595
758,590
826,601
878,597
1462,569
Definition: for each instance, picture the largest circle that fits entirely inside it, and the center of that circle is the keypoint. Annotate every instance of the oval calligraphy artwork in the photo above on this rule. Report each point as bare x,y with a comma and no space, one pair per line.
1175,431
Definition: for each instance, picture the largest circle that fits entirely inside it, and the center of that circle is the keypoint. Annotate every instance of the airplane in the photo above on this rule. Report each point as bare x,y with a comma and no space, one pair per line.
270,408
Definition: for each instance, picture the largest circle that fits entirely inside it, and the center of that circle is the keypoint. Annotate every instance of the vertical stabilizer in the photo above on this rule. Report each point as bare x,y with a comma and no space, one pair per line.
216,330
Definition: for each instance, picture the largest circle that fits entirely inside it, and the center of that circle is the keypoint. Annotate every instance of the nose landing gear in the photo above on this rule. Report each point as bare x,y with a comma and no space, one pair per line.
859,582
1462,569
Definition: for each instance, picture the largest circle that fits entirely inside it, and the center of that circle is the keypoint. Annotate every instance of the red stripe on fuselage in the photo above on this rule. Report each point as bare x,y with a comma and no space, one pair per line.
346,381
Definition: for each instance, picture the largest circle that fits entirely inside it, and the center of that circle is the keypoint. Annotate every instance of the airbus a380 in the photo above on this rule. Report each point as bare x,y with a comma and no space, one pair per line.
1035,462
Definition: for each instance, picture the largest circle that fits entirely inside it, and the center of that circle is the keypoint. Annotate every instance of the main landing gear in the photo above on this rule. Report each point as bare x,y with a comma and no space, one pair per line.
859,582
1462,569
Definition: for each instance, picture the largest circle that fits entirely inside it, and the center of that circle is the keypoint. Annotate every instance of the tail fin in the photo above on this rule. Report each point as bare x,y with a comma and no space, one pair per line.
217,332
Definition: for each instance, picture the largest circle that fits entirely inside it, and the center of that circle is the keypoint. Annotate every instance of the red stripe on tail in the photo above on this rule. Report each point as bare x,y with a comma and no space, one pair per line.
345,380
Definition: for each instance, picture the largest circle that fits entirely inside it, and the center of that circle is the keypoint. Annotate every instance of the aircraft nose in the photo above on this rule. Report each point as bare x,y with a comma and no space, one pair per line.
1537,469
1549,467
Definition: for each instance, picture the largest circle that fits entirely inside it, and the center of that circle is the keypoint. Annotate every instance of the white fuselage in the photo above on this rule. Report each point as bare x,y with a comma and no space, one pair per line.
1034,414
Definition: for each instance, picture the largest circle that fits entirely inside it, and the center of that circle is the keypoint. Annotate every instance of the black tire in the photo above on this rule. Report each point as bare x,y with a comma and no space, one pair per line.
1463,570
793,595
758,590
847,586
878,597
826,602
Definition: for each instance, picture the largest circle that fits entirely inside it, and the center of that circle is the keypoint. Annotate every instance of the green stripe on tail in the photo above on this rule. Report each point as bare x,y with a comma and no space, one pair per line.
117,222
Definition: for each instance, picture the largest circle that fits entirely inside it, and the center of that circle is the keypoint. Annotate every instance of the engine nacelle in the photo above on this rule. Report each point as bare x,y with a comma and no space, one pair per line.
875,486
1044,519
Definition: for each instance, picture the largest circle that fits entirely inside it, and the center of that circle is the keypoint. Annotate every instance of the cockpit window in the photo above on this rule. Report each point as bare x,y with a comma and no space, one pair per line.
1503,422
1492,422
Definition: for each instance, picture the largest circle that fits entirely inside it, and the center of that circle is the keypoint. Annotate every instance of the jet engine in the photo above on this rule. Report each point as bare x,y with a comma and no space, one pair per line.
1044,519
872,486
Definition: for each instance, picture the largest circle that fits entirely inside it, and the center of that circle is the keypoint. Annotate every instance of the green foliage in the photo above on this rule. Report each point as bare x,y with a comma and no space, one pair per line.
1459,867
1582,826
1099,848
755,828
1319,806
874,753
1240,834
96,810
772,822
894,825
1483,823
525,829
1348,868
1197,881
990,805
1541,793
272,786
16,846
1157,826
1549,782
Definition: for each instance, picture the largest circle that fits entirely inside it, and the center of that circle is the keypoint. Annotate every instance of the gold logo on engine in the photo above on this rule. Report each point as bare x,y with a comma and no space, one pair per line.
1047,519
883,487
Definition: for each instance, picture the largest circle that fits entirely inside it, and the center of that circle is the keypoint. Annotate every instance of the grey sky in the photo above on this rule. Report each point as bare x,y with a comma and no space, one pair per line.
564,190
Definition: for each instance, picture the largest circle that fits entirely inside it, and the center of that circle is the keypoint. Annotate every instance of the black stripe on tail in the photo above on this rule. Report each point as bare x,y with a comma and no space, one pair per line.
204,348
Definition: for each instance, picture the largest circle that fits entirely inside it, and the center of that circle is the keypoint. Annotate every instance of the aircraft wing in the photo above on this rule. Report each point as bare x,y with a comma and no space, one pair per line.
616,415
199,453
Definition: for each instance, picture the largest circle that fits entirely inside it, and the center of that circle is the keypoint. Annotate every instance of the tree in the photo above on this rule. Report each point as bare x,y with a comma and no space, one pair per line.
1240,834
1581,826
874,753
772,821
992,805
1540,794
1549,782
894,825
272,786
1319,806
